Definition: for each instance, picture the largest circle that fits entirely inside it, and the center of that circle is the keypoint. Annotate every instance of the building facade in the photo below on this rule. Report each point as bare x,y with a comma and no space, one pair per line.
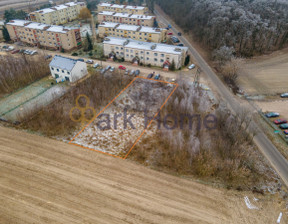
138,10
59,14
154,54
142,33
43,35
126,18
67,69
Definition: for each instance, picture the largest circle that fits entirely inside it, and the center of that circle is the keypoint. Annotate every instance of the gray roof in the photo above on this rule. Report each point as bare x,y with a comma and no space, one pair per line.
63,63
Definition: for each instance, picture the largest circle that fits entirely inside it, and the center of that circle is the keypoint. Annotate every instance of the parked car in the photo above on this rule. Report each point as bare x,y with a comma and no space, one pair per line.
175,39
4,47
22,51
107,68
89,61
283,126
126,72
33,52
103,70
284,95
157,77
191,66
169,26
80,59
286,132
96,65
112,69
179,34
150,76
272,114
11,48
122,67
169,33
180,45
48,57
132,72
280,121
15,51
173,80
137,72
27,52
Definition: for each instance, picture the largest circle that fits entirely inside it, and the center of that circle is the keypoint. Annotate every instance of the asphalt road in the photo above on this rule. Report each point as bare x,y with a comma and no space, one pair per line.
276,159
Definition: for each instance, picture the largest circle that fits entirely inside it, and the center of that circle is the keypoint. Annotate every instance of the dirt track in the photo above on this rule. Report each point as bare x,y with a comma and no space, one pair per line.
46,181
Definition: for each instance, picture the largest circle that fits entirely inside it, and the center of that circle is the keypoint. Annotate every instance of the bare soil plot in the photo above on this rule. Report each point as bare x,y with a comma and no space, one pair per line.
116,128
265,75
46,181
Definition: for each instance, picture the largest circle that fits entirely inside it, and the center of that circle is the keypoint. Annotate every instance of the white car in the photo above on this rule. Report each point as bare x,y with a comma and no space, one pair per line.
191,67
284,95
96,65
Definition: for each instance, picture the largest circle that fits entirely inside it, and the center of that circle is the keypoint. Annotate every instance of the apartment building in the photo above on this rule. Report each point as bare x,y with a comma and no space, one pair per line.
126,18
138,10
142,33
59,14
49,36
154,54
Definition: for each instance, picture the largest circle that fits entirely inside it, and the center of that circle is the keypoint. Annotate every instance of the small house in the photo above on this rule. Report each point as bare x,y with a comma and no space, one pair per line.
67,69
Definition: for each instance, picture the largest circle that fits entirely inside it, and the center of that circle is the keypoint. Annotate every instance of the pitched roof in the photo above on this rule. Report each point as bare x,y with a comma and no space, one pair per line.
63,63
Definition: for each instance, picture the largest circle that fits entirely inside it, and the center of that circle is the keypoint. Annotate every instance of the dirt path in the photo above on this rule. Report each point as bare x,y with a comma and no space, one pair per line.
46,181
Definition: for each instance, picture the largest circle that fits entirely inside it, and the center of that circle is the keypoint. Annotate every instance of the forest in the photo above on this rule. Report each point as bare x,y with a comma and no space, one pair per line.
247,27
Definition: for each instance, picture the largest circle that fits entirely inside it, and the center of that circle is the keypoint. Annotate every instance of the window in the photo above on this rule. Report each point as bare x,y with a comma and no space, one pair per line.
57,70
161,60
127,50
155,54
68,73
147,59
162,55
52,68
147,53
155,59
62,71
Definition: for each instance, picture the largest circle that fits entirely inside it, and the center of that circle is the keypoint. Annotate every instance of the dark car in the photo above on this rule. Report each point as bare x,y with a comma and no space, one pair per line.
180,45
107,68
48,57
80,59
280,121
286,132
284,95
137,72
150,76
179,34
284,126
272,114
157,77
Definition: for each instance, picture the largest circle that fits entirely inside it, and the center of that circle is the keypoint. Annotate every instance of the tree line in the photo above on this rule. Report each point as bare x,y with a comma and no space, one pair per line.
249,27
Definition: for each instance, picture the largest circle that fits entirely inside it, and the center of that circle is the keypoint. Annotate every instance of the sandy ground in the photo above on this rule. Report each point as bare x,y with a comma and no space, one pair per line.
267,74
280,106
46,181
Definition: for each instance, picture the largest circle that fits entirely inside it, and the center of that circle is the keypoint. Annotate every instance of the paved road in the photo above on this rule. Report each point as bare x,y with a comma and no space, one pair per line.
276,159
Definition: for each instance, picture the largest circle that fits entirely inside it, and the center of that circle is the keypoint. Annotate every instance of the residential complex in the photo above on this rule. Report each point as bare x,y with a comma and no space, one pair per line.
38,34
142,33
143,52
139,10
59,14
126,18
67,69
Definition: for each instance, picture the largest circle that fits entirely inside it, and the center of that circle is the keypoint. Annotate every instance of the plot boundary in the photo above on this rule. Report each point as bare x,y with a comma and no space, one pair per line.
143,132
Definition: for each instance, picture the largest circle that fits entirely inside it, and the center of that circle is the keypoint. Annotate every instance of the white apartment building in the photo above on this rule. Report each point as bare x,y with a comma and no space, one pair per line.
154,54
142,33
140,10
126,18
67,69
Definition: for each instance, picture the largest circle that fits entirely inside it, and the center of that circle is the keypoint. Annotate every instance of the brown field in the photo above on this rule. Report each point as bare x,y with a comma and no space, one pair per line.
265,75
46,181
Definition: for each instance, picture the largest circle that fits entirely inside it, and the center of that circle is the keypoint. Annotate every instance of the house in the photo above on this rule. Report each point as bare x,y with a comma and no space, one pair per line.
155,54
67,69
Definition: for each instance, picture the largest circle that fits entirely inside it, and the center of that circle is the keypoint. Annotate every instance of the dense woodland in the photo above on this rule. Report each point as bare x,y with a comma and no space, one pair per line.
249,27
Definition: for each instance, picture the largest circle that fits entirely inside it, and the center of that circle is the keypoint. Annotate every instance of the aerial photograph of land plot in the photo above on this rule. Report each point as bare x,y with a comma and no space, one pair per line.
144,111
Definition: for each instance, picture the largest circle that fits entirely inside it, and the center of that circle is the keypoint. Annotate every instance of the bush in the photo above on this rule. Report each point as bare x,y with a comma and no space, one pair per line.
74,54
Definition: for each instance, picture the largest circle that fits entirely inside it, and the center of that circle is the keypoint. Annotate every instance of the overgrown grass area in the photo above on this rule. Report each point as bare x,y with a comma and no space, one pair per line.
21,71
220,152
54,120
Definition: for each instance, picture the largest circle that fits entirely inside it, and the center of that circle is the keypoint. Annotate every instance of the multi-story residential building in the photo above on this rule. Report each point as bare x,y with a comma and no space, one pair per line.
59,14
126,18
144,52
38,34
142,33
67,69
139,10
